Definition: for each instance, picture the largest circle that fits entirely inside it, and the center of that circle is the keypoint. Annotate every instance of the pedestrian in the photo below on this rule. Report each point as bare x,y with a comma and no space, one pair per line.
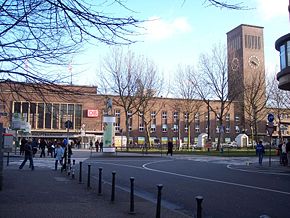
91,144
42,145
284,154
67,157
28,155
58,154
34,145
101,146
260,151
22,145
288,153
97,143
169,147
279,151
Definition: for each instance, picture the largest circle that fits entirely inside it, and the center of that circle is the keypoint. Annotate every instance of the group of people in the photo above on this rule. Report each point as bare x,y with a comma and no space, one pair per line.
39,144
284,153
98,145
61,151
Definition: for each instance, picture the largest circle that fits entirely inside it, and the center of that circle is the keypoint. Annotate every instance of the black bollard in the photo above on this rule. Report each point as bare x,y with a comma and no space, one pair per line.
100,181
132,196
80,173
89,177
113,186
73,170
8,155
199,208
158,208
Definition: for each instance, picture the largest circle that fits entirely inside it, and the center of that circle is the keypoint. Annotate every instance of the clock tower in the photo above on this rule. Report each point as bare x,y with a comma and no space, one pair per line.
245,51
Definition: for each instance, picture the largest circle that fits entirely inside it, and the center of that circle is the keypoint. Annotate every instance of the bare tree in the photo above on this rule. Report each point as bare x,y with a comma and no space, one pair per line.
36,35
148,105
213,82
133,79
255,98
225,4
186,89
279,102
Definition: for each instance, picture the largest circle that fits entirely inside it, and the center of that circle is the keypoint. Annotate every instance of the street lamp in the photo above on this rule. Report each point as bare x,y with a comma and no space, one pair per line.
208,120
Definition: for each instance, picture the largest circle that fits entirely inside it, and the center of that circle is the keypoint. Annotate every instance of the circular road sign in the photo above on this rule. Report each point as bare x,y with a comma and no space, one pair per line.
270,118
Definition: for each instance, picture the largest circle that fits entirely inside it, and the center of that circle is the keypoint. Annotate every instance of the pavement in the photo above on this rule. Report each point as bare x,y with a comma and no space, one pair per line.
48,193
44,192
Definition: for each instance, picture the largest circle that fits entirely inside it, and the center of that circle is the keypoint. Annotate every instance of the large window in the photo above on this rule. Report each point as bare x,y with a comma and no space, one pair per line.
130,117
40,118
78,116
252,42
282,57
55,116
32,116
49,115
118,120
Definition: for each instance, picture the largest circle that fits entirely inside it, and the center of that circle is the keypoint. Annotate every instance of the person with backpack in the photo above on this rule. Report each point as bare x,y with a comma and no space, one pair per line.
28,155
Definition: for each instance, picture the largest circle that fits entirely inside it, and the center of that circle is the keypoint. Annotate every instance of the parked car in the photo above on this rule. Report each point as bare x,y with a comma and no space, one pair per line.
231,145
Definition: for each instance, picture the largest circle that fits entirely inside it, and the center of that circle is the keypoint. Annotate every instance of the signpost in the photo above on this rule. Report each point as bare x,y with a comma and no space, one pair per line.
270,129
68,125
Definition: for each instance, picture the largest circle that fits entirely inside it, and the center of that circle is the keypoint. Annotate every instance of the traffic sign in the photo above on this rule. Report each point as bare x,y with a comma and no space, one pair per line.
68,124
270,118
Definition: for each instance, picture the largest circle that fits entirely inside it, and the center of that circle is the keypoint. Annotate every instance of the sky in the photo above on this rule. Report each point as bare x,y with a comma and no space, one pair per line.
181,30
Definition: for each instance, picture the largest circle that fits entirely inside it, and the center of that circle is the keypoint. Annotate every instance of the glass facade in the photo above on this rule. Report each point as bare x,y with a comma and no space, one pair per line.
282,57
49,115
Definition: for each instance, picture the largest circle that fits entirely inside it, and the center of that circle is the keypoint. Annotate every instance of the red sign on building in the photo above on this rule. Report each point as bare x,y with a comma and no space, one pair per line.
93,113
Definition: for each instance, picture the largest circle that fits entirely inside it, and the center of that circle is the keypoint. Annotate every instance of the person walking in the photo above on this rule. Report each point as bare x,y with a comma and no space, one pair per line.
67,157
169,147
22,145
288,153
58,154
260,150
279,149
101,146
97,143
28,155
42,145
284,154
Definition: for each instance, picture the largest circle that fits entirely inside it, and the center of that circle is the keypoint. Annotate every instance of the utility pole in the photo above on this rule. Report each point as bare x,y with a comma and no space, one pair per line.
208,120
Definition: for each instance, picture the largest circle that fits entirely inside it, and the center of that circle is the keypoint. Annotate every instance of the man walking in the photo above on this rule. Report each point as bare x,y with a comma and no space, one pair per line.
260,150
170,147
28,155
288,153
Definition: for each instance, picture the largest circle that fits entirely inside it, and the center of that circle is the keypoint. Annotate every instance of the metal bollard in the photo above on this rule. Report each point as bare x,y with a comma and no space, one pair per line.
132,196
80,173
8,155
113,186
89,177
199,208
158,208
100,181
73,170
68,169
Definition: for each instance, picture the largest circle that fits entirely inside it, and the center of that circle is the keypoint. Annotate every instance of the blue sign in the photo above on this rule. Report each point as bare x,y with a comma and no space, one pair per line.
270,118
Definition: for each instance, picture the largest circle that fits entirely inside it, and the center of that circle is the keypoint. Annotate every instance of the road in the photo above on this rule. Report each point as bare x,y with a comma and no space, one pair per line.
228,189
227,192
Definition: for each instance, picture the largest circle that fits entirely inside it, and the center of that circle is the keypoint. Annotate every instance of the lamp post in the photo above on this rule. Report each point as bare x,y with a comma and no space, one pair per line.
208,120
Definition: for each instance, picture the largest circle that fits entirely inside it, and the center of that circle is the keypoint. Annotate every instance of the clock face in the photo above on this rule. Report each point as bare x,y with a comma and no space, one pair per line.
254,62
235,64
